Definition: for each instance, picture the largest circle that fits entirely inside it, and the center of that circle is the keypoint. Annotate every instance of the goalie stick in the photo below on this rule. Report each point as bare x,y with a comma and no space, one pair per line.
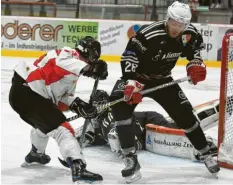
101,108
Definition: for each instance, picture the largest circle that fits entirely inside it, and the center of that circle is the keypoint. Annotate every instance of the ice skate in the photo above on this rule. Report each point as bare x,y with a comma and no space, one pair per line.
212,165
34,157
213,150
80,174
131,172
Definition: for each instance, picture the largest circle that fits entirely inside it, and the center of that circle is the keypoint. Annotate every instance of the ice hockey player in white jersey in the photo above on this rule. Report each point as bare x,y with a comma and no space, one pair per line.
42,90
102,130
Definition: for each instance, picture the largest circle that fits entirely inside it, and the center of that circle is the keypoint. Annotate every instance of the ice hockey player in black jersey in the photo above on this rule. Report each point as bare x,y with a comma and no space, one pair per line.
102,130
147,62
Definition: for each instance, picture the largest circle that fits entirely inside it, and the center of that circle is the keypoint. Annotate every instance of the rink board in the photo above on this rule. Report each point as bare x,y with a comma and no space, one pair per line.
32,36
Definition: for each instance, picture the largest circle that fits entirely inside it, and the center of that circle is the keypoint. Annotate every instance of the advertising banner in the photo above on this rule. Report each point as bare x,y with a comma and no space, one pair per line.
43,34
210,35
20,33
114,36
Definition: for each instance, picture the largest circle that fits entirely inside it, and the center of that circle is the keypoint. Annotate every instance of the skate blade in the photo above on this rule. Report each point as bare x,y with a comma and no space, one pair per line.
87,182
215,175
25,164
136,176
33,164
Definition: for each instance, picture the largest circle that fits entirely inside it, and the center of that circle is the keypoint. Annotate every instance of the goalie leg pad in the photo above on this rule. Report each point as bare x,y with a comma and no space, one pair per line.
182,114
39,140
68,144
113,140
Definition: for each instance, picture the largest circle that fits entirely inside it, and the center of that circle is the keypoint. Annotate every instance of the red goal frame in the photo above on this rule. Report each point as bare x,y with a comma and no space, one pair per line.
223,91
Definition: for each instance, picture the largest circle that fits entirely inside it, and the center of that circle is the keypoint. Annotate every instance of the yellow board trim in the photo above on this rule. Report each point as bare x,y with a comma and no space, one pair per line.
109,58
21,53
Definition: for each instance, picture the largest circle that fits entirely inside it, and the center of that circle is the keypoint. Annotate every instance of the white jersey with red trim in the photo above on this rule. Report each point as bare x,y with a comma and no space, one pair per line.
54,75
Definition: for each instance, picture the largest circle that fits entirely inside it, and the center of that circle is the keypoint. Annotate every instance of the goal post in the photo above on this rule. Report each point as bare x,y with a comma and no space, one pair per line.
225,128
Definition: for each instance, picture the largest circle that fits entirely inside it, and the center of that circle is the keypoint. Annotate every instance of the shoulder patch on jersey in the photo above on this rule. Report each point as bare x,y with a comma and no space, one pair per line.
186,38
128,52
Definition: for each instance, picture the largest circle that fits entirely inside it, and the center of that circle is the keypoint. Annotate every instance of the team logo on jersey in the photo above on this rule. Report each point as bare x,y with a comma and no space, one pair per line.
182,95
186,39
148,140
171,55
121,85
156,57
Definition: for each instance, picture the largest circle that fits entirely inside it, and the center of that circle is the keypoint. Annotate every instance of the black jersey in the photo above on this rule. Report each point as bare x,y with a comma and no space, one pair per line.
152,54
106,123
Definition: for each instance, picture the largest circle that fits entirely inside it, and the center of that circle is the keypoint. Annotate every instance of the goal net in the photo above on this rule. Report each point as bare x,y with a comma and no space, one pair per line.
225,135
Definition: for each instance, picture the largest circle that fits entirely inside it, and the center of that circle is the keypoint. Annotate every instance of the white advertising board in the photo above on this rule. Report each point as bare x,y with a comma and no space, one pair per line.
43,34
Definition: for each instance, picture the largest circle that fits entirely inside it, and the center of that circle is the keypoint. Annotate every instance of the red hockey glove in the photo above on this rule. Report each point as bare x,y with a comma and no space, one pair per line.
131,92
196,69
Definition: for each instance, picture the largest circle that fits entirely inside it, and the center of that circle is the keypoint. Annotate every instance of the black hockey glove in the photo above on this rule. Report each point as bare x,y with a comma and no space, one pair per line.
83,109
97,69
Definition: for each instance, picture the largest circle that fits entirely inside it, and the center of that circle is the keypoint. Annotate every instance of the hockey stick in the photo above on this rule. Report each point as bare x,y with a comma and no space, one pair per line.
86,122
73,118
101,108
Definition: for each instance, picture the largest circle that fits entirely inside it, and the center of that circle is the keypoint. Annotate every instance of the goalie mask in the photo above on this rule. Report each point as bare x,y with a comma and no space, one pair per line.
89,48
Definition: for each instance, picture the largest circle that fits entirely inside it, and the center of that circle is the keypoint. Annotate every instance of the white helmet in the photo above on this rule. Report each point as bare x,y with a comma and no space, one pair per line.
179,12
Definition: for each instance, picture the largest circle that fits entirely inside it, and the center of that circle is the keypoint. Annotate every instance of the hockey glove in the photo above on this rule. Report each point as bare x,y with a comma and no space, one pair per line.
131,92
83,109
97,69
196,69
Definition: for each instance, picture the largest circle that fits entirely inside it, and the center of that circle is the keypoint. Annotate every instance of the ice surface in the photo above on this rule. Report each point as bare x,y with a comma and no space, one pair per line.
155,169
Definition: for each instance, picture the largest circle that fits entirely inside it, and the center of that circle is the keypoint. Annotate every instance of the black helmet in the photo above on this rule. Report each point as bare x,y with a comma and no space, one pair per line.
89,48
101,97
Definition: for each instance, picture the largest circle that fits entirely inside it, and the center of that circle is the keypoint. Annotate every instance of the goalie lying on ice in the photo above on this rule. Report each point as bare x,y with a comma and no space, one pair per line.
153,131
